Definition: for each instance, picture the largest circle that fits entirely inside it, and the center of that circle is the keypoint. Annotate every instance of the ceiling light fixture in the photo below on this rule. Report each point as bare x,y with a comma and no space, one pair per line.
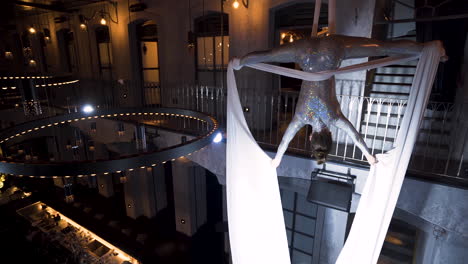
236,4
103,21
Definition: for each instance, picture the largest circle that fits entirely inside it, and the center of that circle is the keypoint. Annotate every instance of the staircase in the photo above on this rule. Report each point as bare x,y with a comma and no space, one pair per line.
390,88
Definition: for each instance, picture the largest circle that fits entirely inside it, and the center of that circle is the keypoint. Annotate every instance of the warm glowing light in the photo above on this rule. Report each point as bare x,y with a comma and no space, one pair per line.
83,26
103,21
283,35
235,4
32,30
291,39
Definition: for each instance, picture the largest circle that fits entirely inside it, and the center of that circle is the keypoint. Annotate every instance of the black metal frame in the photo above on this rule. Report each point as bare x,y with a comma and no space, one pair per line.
56,169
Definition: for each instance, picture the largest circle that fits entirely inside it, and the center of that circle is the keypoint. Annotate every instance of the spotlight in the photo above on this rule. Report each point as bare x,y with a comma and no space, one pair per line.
235,4
218,137
103,21
32,30
87,109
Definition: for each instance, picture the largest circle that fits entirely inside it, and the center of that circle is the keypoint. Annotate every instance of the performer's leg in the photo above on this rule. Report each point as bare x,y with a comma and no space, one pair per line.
344,124
291,131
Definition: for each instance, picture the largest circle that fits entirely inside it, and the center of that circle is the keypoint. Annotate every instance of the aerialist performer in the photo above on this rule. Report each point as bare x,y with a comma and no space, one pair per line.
317,104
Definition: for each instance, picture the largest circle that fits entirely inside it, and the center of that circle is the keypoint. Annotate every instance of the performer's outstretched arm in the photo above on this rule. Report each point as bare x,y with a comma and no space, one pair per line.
283,53
357,47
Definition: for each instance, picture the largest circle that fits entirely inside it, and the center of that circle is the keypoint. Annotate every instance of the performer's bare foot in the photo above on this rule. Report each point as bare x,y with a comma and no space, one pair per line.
371,159
275,162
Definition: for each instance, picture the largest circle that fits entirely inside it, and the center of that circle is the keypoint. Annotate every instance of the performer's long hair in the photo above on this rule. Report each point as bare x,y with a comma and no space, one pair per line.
321,144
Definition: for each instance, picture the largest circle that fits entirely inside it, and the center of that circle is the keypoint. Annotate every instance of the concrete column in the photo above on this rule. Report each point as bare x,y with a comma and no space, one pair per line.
189,182
145,192
333,235
105,185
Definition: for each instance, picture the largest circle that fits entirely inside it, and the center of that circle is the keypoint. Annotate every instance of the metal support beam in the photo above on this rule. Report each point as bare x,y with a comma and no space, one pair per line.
425,19
43,6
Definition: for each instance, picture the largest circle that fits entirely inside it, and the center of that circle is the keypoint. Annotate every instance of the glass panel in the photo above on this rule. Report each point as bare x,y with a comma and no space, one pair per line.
301,258
105,54
303,243
205,52
305,225
288,234
151,76
306,207
288,219
149,54
287,199
220,52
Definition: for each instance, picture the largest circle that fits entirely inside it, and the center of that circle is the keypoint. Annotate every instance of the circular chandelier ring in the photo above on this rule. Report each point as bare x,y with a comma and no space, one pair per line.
92,168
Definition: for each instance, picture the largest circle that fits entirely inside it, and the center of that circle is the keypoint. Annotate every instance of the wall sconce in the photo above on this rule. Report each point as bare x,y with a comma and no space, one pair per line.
82,22
8,55
47,35
32,30
121,129
244,2
93,127
103,20
91,146
32,63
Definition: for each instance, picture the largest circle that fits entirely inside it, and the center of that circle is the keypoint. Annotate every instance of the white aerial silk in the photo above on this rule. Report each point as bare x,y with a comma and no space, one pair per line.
255,216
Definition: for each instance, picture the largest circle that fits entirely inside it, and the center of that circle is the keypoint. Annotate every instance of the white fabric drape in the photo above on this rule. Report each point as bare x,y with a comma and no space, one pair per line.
380,194
255,217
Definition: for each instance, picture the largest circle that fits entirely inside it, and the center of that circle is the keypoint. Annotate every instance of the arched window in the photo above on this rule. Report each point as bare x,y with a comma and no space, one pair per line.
212,48
66,41
147,34
104,52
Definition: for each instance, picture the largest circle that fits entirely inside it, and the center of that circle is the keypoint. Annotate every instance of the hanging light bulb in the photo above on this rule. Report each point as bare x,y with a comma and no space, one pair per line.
235,4
82,22
32,30
103,20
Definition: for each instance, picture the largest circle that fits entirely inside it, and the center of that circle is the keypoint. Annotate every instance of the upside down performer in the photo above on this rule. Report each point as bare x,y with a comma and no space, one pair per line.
317,105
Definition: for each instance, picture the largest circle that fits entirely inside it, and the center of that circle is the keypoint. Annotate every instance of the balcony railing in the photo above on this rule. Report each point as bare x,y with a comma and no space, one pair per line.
439,149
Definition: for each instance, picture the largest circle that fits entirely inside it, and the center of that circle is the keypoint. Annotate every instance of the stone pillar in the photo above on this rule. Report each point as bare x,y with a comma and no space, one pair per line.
145,192
105,185
189,182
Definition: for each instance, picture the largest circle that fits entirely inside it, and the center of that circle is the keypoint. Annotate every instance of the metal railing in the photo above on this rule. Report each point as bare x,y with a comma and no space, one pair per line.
439,148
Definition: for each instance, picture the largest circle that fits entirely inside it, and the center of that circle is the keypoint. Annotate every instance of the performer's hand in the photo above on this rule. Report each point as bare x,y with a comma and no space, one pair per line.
236,64
371,159
275,162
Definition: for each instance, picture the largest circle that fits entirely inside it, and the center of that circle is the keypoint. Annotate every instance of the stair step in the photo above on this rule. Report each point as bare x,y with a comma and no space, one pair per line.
397,70
393,88
400,66
395,79
395,74
392,95
391,83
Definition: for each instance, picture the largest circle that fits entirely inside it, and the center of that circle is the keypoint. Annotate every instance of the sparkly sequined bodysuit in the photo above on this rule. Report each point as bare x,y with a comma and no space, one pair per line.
317,104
